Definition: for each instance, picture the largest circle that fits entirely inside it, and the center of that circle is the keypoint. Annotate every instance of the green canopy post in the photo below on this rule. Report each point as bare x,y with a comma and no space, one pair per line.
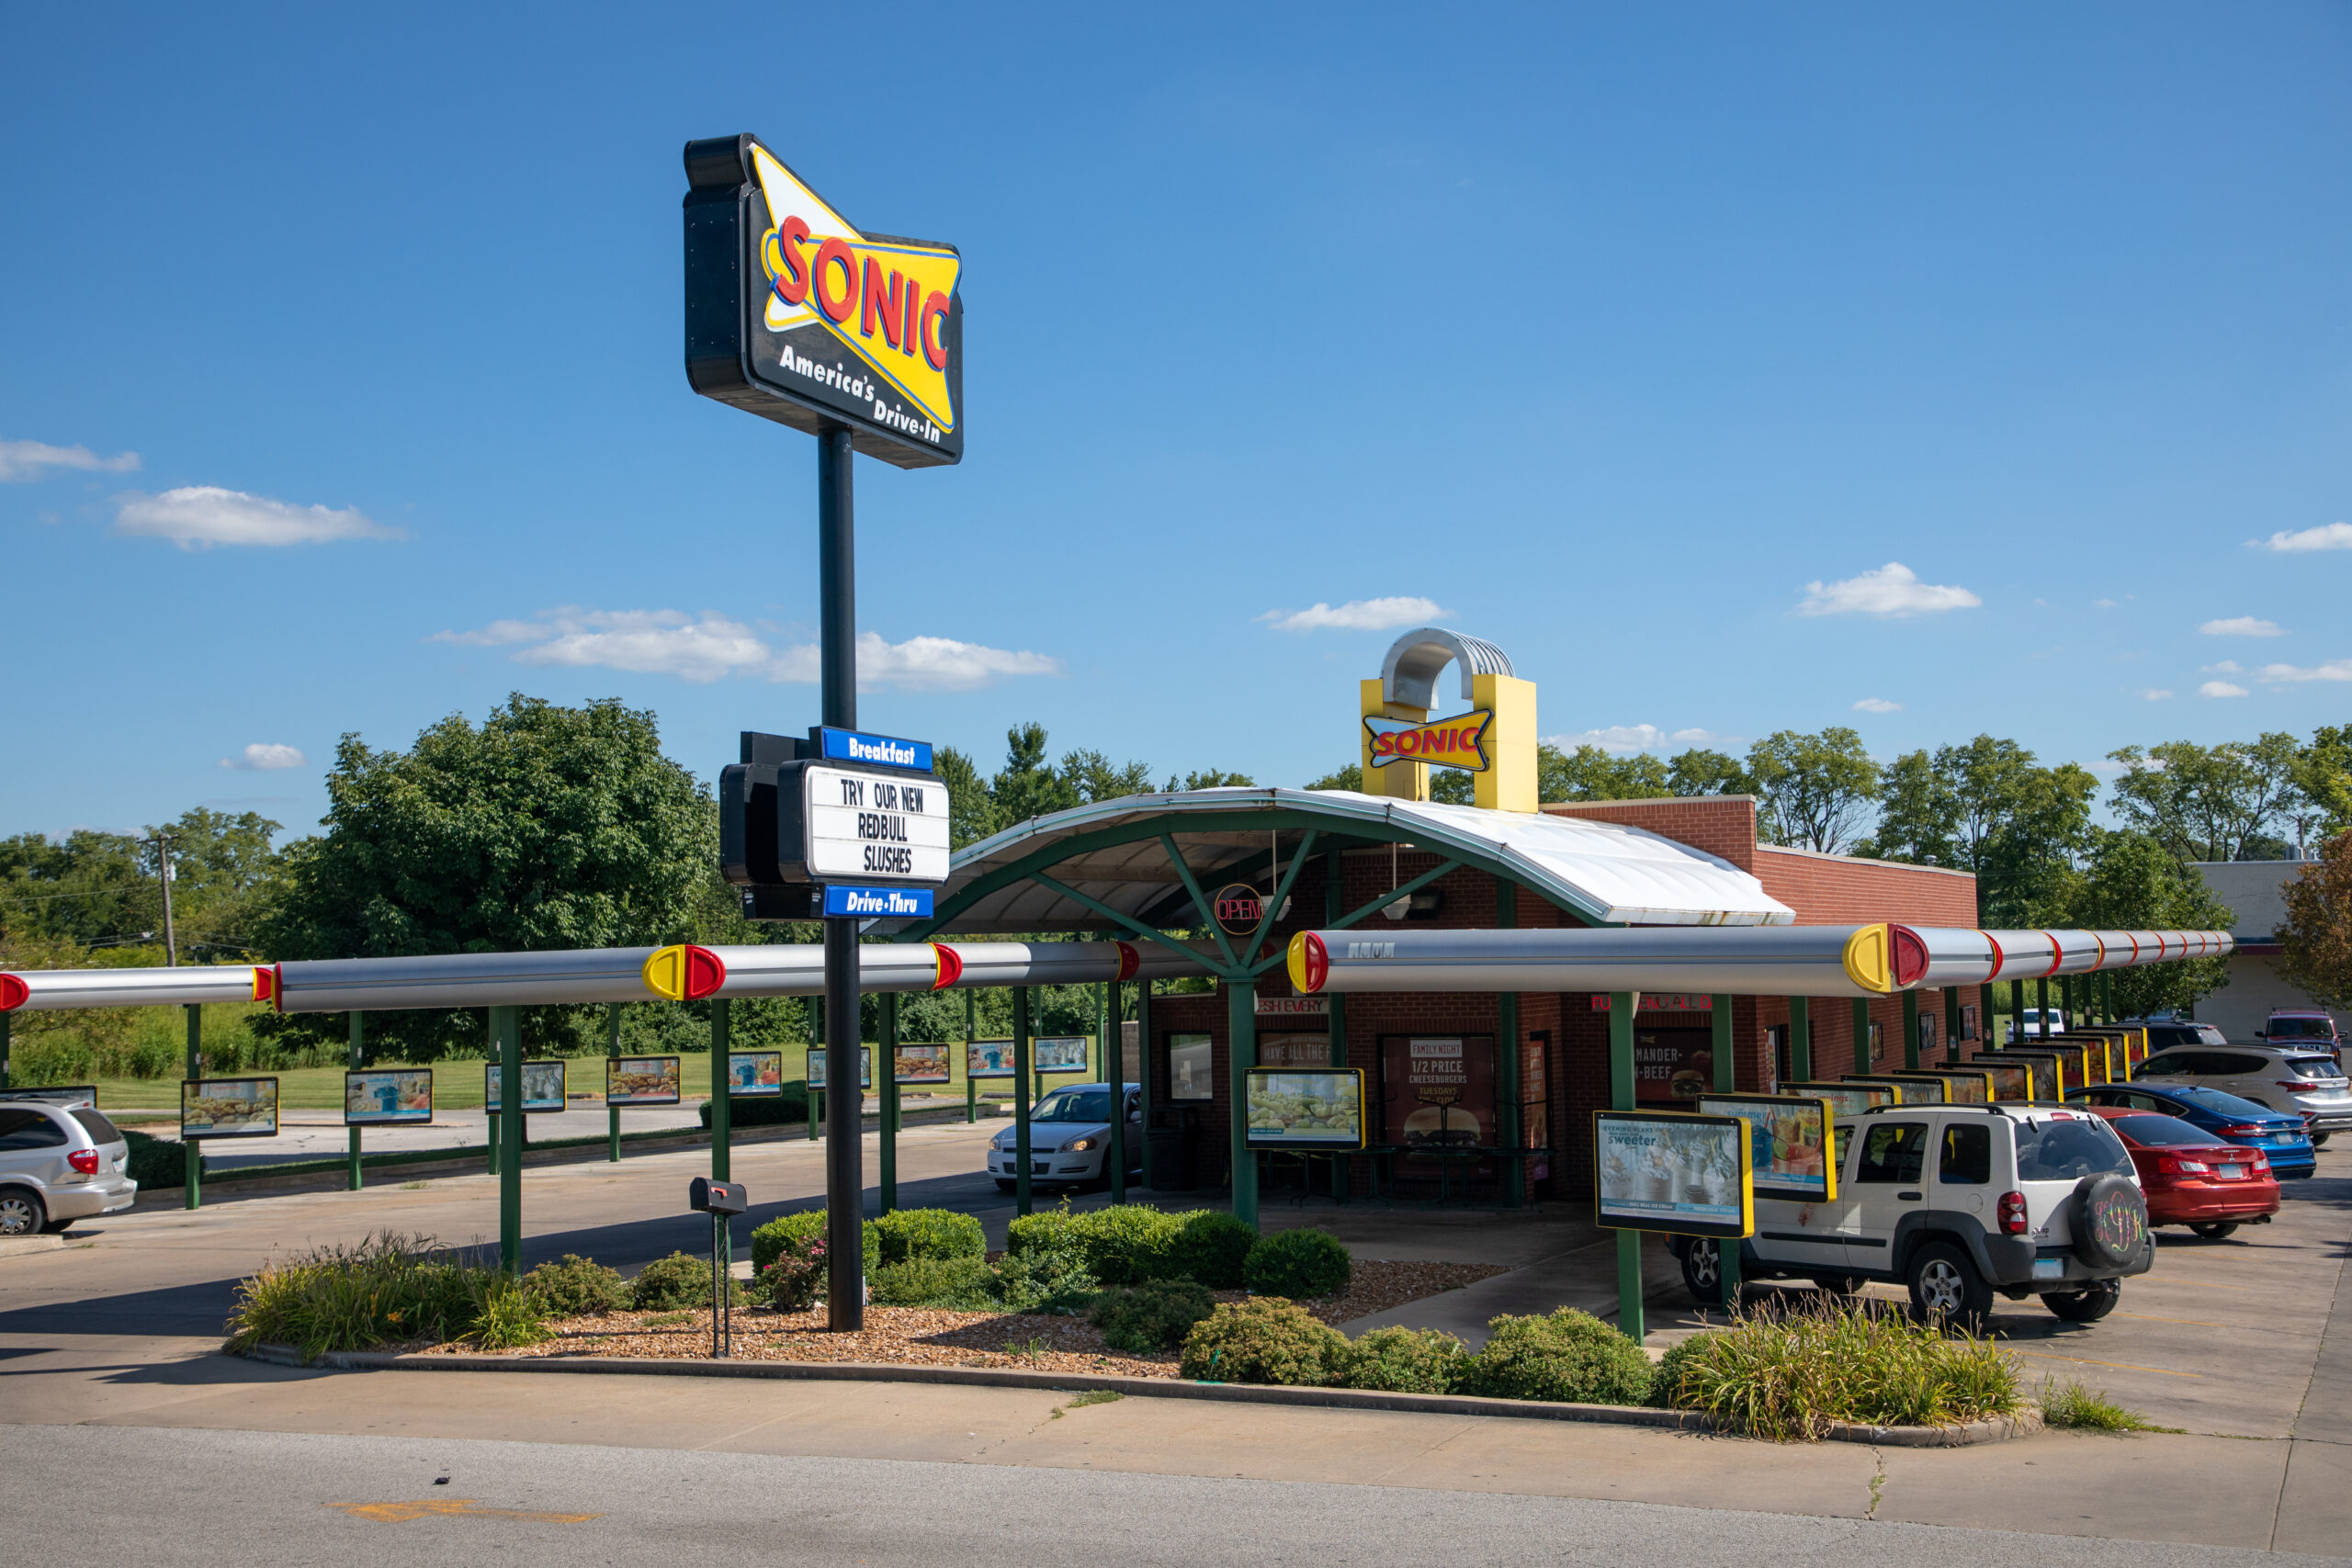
807,1080
2042,1000
1150,1083
191,1152
1861,1034
886,1067
1951,1023
1507,1085
357,1061
506,1024
1114,1048
1726,1082
2107,997
971,1033
1020,1099
722,1098
4,1049
1911,1030
1242,1055
1620,1098
1801,1039
612,1053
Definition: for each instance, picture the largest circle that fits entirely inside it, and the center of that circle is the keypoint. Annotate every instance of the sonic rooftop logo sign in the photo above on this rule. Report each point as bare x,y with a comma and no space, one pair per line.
795,314
1456,742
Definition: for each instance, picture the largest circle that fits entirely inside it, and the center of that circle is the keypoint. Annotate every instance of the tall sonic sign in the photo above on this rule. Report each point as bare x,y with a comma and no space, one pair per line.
797,315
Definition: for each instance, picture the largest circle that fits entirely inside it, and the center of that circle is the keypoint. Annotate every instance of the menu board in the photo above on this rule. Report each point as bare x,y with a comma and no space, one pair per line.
228,1108
1848,1098
543,1087
1970,1087
1792,1148
920,1064
1673,1171
864,1066
755,1073
387,1097
2046,1067
1060,1052
641,1081
1319,1107
2011,1080
1914,1090
987,1059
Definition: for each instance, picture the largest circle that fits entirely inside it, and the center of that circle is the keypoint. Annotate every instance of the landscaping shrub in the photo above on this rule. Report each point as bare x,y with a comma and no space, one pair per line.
576,1287
1298,1263
389,1290
677,1284
792,1279
154,1162
1403,1360
787,1109
1666,1378
1155,1315
1787,1373
1055,1228
1264,1339
1127,1244
957,1284
1047,1278
1208,1246
769,1241
1569,1356
906,1234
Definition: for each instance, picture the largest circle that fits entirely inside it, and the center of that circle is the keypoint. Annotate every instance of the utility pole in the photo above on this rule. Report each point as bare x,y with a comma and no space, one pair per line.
163,871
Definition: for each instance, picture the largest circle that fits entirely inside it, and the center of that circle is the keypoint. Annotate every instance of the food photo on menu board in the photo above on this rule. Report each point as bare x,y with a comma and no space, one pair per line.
542,1085
817,1054
1061,1053
386,1097
1847,1098
1790,1142
920,1064
641,1081
228,1108
1315,1109
1672,1171
755,1073
989,1059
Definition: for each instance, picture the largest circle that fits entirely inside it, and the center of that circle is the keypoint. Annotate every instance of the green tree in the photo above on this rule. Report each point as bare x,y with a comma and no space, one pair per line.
223,872
547,828
2323,778
1814,790
2210,802
2129,882
1349,777
1027,786
1990,808
971,812
1701,772
87,888
1589,772
1216,778
2316,936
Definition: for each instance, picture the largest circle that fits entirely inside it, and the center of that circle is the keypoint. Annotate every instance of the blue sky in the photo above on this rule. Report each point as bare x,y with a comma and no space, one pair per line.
1930,370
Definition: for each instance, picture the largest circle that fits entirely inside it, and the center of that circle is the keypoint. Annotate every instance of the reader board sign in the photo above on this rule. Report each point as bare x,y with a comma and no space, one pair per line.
387,1097
1792,1147
987,1059
817,1067
1848,1098
920,1064
864,826
1060,1052
1674,1171
228,1108
1317,1109
755,1073
641,1081
543,1087
798,316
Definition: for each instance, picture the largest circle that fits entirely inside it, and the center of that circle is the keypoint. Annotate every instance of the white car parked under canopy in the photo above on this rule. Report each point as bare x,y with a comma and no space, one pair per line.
1069,1138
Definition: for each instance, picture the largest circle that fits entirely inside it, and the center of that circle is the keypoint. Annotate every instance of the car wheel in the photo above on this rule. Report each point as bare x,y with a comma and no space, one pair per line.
21,1212
2319,1140
2214,1230
1702,1273
1004,1186
1840,1285
1945,1284
2086,1305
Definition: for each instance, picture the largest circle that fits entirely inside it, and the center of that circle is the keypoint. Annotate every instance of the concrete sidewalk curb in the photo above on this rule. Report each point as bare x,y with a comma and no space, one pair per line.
1989,1431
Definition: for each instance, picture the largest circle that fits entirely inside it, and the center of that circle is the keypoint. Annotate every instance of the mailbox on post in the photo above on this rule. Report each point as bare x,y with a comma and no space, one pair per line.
722,1201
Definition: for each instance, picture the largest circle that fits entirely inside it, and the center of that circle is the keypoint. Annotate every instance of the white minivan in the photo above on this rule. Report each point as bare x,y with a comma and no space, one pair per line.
59,1164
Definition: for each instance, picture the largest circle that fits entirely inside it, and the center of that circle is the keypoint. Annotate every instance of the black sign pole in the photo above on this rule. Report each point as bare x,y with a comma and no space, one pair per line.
844,1152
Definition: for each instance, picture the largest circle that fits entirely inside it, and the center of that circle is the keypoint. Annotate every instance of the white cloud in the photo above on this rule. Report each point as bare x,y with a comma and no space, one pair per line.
2095,604
2220,688
2156,693
2334,670
262,756
1892,590
1704,738
2226,667
26,460
1357,616
1868,705
199,516
2329,536
1626,738
707,647
2242,625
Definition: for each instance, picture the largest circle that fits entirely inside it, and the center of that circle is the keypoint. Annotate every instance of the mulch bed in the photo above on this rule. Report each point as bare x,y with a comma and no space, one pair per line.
924,1336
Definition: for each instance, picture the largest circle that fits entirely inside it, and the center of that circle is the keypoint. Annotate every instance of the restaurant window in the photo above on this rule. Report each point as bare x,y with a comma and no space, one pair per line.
1189,1068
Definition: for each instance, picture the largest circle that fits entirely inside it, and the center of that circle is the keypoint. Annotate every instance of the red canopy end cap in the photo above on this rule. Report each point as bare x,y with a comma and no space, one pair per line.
14,993
1130,960
1910,956
705,972
951,965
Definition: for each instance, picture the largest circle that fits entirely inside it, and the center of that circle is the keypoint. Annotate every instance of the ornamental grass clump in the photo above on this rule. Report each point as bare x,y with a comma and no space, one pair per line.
1788,1372
1569,1356
1300,1263
388,1290
1263,1339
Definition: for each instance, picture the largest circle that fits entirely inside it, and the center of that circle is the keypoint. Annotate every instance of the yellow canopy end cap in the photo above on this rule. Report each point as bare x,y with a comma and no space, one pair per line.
1869,957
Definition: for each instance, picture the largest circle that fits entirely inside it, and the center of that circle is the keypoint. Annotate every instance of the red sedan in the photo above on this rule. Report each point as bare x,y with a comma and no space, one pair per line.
2189,1178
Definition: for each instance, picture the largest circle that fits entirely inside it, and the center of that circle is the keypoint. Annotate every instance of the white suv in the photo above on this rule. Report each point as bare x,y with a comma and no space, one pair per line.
1956,1203
59,1164
2293,1080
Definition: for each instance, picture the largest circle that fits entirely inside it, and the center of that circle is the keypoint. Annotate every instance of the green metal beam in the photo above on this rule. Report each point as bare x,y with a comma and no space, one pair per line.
1150,933
1368,910
1200,899
1267,911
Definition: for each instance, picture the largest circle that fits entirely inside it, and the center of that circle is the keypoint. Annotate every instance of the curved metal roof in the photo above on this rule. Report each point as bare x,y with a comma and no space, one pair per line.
1111,852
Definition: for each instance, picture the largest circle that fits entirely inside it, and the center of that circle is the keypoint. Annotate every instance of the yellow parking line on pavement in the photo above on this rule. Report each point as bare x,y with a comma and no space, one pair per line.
2125,1366
401,1513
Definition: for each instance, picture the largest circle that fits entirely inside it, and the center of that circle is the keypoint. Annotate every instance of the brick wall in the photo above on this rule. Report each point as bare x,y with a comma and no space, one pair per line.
1836,890
1722,825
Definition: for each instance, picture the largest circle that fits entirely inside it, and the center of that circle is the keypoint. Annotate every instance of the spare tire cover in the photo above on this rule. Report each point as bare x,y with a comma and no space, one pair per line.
2110,1221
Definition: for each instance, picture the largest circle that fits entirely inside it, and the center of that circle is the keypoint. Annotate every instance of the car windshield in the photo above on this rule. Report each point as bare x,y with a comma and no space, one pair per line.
2301,1029
2310,1066
2161,1132
2069,1150
1074,1105
2222,1104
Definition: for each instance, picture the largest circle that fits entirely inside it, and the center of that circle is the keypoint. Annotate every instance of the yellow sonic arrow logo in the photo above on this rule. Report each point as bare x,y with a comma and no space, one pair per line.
887,300
1456,742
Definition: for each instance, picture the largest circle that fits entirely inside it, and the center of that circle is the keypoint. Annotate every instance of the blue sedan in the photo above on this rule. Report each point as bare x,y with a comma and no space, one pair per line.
2281,1138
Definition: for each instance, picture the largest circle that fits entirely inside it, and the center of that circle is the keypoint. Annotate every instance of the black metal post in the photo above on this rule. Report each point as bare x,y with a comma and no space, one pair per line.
844,1103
